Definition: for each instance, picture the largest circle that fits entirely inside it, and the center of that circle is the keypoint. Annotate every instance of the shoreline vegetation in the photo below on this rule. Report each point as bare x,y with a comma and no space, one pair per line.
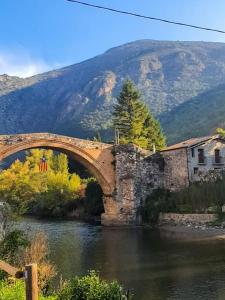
204,197
19,249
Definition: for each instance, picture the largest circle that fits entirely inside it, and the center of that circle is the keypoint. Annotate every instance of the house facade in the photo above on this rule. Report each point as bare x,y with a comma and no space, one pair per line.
189,161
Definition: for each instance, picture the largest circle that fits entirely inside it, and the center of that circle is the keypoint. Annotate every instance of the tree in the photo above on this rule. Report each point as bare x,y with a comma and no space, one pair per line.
134,121
25,188
221,132
154,134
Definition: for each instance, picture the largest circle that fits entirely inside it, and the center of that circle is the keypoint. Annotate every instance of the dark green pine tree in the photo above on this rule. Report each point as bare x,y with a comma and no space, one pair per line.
133,120
154,134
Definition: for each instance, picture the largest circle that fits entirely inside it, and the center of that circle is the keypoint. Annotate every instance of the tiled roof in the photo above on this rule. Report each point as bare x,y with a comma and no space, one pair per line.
191,142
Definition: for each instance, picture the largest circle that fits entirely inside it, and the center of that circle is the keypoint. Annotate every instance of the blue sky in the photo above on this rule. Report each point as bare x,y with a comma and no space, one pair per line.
40,35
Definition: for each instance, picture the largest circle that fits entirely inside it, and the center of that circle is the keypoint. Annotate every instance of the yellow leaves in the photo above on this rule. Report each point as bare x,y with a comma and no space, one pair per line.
63,181
74,182
23,183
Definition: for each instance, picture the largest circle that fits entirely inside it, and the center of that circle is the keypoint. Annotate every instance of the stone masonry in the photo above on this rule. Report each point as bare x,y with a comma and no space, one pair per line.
126,173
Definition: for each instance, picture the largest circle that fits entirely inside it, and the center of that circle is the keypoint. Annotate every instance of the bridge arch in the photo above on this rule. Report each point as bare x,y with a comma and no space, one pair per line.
96,157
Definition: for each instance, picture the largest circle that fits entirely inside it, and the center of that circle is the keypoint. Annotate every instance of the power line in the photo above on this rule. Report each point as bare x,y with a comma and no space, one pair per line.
145,17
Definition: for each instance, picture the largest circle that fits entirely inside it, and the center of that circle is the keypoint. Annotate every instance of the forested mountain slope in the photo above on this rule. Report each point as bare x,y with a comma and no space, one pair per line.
199,116
77,100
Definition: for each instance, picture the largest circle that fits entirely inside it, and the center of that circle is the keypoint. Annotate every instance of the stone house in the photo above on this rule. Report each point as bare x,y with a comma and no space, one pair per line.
191,160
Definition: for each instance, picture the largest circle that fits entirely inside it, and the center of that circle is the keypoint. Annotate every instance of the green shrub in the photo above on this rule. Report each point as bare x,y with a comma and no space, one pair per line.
91,287
10,248
200,196
12,291
155,203
196,198
53,203
16,291
11,243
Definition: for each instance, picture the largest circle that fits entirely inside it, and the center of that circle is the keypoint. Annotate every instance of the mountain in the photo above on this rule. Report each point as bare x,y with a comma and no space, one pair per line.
77,100
199,116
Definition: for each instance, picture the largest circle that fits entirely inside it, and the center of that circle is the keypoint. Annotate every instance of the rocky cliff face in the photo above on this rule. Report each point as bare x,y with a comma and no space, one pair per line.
77,100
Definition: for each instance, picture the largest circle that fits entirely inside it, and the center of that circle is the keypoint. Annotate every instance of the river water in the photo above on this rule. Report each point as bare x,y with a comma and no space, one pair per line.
151,264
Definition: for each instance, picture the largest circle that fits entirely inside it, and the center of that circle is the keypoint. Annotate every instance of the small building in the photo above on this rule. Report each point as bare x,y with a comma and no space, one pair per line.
190,160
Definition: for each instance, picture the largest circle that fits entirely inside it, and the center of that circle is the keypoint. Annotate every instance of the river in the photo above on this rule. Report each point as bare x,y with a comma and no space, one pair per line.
151,264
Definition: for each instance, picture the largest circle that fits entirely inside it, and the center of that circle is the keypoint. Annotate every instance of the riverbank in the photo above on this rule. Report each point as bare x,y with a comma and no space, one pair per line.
191,226
192,232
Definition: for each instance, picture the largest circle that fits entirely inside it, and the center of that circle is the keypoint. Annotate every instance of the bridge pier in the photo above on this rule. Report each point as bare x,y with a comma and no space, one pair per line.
115,214
123,206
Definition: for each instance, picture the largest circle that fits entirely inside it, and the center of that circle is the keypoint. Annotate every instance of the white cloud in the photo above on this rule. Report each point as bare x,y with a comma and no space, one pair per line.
23,65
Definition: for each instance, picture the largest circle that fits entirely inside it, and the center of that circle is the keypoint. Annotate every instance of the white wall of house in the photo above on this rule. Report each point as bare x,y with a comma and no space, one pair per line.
198,167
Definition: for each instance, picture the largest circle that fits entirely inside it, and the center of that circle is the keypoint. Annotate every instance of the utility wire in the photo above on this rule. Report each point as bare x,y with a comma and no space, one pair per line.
144,17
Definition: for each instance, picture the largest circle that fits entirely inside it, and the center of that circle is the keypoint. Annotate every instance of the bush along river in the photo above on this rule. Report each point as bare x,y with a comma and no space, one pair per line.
153,264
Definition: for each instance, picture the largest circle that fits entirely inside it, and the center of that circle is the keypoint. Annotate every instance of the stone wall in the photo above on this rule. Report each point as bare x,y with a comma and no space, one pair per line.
137,174
165,170
186,219
127,159
176,174
151,175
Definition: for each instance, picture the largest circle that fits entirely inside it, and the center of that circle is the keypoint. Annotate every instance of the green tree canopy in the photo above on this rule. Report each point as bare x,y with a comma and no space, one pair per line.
134,121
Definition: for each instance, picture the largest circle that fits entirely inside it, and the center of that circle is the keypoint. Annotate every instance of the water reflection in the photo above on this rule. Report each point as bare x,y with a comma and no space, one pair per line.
155,266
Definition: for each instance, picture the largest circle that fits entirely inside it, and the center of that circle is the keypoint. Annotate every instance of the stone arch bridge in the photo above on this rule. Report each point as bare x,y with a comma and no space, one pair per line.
114,167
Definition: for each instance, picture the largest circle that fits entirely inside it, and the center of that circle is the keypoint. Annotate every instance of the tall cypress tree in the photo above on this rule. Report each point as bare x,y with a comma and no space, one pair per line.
133,120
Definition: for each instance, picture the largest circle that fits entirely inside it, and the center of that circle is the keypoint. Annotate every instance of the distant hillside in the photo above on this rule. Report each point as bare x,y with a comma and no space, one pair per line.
197,117
77,100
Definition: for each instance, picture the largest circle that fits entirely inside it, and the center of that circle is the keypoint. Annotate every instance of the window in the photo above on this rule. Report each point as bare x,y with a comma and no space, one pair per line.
201,157
217,156
192,152
195,170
